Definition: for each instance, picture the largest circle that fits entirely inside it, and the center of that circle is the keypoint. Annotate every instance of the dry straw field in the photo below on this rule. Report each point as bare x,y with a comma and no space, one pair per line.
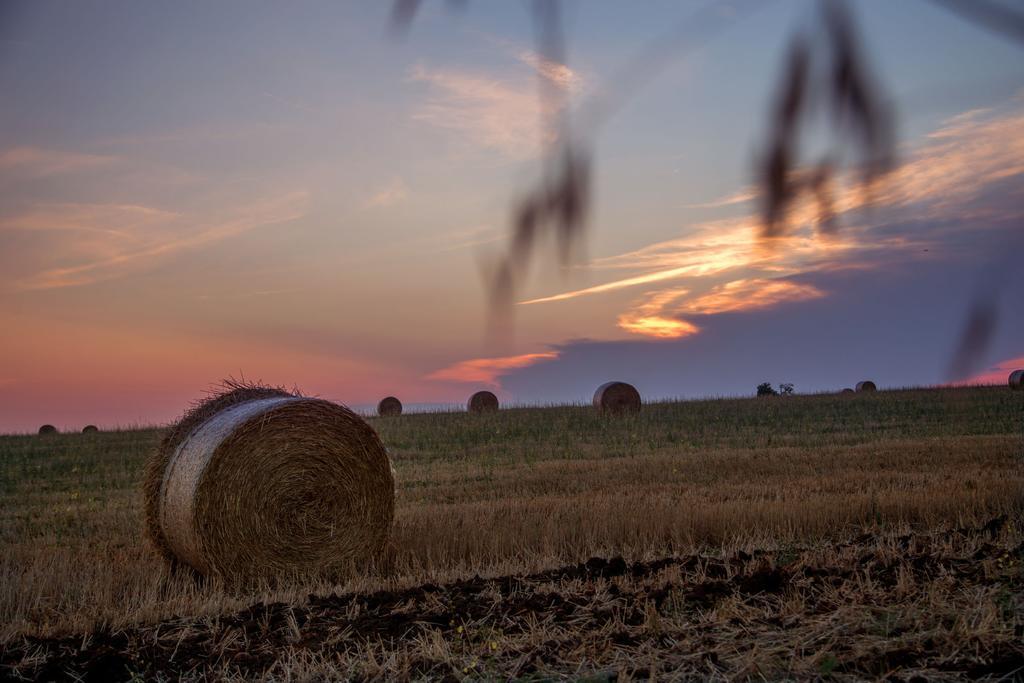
845,536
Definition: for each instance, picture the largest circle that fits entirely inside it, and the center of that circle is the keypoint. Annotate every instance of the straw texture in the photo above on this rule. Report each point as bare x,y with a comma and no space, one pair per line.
258,482
866,385
1016,379
482,402
617,397
389,406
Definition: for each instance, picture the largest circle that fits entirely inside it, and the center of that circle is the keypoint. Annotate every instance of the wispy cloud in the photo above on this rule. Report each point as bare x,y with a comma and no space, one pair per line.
464,239
488,370
940,177
143,248
390,194
556,73
39,162
749,294
647,278
715,249
560,75
741,197
495,114
501,112
118,220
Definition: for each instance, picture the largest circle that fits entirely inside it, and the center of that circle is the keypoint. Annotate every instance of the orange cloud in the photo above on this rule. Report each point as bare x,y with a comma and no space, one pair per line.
745,295
647,317
657,314
717,248
657,326
947,169
487,370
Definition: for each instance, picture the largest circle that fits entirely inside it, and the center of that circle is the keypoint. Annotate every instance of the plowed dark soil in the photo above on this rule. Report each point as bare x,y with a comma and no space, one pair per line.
855,610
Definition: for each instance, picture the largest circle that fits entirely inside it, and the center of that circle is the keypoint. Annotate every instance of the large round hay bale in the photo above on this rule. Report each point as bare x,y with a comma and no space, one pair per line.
89,429
389,406
847,390
482,402
1016,379
617,397
866,385
259,482
47,430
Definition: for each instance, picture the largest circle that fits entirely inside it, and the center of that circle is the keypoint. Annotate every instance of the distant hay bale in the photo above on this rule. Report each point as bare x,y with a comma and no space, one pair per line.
89,429
389,406
482,402
866,385
847,390
258,482
617,397
1016,379
47,430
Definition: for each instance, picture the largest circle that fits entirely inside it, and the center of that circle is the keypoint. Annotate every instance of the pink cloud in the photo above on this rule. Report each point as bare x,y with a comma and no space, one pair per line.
488,370
996,374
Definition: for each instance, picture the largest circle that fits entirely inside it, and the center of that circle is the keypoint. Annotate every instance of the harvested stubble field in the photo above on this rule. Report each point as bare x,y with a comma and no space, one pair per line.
865,536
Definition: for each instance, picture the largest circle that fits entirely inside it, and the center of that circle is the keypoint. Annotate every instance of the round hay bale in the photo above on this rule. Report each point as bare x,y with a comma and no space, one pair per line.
47,430
847,390
1016,379
89,429
482,402
389,406
617,397
258,482
866,385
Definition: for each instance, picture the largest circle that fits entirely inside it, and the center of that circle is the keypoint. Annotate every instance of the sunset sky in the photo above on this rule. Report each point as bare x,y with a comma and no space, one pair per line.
294,194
